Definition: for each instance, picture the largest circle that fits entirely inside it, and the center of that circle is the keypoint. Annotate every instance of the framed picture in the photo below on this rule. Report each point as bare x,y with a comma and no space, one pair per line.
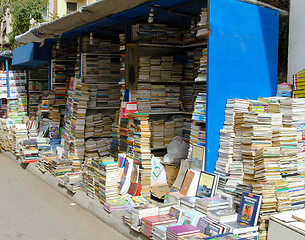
198,158
132,66
207,184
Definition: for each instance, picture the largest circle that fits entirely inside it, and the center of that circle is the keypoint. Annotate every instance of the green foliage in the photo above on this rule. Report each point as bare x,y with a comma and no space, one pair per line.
22,11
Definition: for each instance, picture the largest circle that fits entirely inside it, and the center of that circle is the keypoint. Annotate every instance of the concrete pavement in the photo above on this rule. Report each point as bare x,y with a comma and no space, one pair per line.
31,209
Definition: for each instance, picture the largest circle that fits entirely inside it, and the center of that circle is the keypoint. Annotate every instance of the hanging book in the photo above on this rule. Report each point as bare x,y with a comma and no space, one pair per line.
207,184
249,209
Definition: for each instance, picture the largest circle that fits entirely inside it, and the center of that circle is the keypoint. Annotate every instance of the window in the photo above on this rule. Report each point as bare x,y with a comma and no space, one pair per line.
45,14
71,7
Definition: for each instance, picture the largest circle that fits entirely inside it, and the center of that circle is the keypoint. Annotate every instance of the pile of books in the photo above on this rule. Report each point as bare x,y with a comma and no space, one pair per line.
141,153
57,166
143,97
172,99
71,181
202,72
268,207
298,85
98,125
158,97
28,151
175,232
149,223
115,205
90,171
204,205
284,90
139,212
108,179
169,132
157,134
155,33
79,107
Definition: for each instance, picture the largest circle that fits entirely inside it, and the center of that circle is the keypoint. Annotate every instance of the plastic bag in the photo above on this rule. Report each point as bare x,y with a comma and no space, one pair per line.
177,149
158,174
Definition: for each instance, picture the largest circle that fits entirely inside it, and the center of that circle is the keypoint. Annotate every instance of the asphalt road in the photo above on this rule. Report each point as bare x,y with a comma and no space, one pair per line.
30,209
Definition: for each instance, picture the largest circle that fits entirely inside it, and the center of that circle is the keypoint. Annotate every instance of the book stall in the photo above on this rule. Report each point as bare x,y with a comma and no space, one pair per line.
143,122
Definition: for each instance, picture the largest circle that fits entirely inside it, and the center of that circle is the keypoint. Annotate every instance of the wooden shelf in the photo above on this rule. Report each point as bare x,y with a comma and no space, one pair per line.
169,113
191,45
37,79
99,137
102,108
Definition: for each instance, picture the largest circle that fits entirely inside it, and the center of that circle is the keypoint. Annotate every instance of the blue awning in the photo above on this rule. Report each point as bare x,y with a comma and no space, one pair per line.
32,55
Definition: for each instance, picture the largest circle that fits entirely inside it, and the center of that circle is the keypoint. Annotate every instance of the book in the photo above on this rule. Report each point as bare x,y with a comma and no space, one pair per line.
240,228
135,189
249,208
189,176
299,215
225,236
193,236
223,215
207,184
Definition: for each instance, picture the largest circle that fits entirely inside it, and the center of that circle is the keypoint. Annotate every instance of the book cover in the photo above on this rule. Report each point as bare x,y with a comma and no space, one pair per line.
207,184
225,236
214,229
249,208
187,182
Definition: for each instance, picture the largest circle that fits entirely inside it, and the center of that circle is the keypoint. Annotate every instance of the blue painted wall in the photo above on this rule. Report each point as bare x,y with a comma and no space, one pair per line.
242,61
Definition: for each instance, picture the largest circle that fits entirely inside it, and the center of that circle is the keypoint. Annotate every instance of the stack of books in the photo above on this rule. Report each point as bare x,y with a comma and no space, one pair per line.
149,223
267,167
141,153
174,232
282,196
298,85
122,69
186,130
57,166
284,90
155,33
172,99
90,171
28,151
144,69
159,232
199,113
108,179
77,150
202,72
258,106
167,63
32,126
114,145
268,207
296,192
169,132
115,205
179,122
143,97
289,150
155,69
187,98
158,97
204,205
139,212
157,134
71,181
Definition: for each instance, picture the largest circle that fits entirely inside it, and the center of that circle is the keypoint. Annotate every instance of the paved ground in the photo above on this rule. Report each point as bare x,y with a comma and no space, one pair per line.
32,210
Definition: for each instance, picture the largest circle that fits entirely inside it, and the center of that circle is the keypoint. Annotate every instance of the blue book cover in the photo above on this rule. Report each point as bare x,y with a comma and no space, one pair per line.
249,209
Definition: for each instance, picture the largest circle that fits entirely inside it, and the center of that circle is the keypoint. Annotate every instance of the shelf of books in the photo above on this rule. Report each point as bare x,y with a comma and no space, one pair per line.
37,84
152,121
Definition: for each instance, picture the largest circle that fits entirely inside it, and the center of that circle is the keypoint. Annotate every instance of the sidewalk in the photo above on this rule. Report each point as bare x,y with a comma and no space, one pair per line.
114,219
